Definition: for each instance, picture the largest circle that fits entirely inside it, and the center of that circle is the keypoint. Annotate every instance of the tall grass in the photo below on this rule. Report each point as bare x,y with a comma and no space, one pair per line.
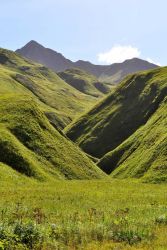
83,215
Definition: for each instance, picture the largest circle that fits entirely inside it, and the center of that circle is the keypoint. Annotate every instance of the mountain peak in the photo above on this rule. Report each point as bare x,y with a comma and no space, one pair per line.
48,57
139,60
33,43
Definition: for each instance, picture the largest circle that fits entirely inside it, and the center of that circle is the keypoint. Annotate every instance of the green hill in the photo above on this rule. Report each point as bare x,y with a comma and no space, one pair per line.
59,100
144,154
31,146
84,82
132,117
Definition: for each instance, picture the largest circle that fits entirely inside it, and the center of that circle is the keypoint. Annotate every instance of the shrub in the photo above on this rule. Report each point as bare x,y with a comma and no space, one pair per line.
29,234
162,219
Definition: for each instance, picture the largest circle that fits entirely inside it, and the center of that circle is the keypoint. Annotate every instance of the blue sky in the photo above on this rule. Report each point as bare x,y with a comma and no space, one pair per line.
101,31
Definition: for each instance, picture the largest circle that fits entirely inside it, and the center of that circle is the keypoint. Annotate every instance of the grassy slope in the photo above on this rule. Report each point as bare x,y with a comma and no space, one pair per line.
11,176
121,215
30,145
61,102
84,82
144,154
121,113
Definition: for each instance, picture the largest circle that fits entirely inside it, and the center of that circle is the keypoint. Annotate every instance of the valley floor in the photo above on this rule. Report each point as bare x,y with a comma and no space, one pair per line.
89,215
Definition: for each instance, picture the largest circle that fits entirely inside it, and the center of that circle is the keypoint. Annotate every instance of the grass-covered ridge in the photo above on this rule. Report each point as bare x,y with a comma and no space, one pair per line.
84,82
144,154
59,100
131,123
121,113
31,146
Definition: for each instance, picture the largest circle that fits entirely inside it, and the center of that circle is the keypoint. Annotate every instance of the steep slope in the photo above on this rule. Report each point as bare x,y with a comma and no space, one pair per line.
109,73
144,154
60,101
120,114
84,82
48,57
32,147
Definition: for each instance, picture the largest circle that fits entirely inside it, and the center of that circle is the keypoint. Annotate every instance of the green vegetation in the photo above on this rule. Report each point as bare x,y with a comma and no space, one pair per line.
30,145
53,95
47,199
144,154
135,111
86,215
84,82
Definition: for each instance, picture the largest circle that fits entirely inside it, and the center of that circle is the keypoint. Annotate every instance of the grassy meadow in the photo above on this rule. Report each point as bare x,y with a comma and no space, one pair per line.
103,214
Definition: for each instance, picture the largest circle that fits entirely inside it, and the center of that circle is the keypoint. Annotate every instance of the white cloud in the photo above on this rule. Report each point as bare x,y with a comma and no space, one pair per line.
152,61
119,54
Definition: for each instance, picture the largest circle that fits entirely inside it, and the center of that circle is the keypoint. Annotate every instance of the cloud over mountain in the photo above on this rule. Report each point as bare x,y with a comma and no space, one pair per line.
119,54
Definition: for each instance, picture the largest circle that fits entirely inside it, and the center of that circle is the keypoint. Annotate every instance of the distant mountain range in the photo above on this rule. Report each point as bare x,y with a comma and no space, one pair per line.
113,73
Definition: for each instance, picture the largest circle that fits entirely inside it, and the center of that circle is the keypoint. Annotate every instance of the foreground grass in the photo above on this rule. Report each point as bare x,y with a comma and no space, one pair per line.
106,214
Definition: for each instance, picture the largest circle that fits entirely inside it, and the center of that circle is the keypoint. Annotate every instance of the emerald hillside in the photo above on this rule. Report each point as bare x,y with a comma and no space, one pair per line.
127,129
